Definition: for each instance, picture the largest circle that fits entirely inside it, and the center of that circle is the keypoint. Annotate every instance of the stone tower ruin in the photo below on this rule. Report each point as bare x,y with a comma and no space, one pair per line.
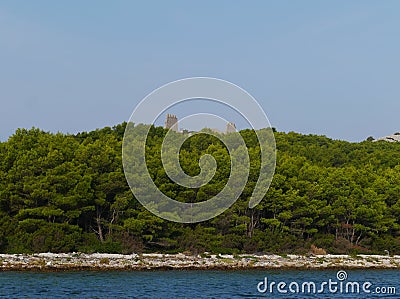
171,122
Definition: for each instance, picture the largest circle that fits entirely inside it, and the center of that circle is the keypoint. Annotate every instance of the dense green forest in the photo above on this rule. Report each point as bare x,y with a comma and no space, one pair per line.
64,193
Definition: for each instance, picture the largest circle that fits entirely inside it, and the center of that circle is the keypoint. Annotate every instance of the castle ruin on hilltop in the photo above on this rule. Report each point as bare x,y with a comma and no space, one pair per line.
171,122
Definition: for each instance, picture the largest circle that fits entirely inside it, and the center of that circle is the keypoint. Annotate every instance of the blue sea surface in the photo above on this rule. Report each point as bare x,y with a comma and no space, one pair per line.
189,284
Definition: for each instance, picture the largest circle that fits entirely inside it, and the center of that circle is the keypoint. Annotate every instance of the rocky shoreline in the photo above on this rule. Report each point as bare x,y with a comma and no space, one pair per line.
206,261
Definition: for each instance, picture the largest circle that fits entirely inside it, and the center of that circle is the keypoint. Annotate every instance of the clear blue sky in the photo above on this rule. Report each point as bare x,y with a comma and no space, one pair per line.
321,67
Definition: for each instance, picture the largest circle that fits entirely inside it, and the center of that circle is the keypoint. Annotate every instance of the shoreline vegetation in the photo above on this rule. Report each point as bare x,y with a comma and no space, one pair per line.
68,193
46,262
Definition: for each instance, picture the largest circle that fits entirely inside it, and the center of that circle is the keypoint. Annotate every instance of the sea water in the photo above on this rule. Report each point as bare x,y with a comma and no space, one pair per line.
202,284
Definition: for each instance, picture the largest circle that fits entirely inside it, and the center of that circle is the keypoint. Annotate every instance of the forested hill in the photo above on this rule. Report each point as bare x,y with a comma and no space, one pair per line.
64,193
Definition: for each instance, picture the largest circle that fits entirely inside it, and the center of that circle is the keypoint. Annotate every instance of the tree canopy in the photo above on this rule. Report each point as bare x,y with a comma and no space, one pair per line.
64,193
